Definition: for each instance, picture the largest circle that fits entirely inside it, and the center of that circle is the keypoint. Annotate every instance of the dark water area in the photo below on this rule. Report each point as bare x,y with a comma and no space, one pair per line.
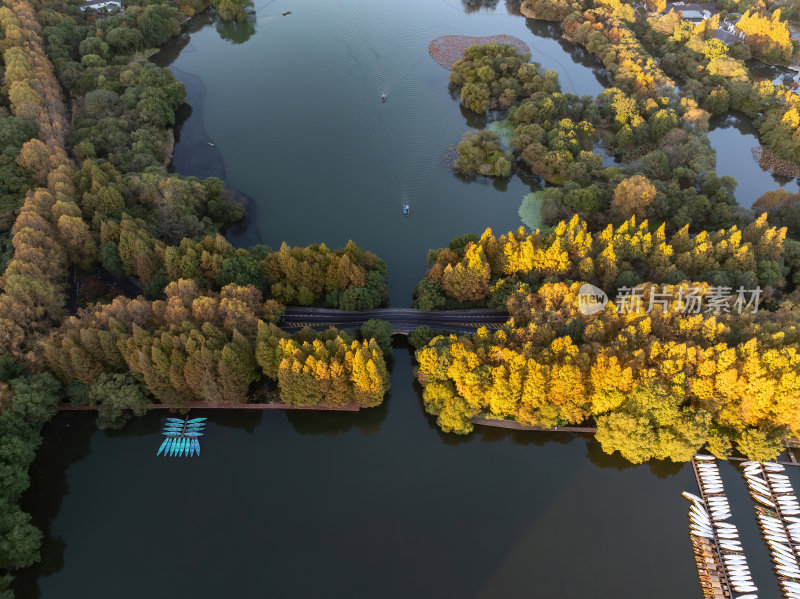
293,109
377,503
733,137
373,504
768,72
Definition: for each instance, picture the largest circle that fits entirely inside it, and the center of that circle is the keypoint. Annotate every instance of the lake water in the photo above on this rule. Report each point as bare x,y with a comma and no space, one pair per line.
377,503
373,504
733,137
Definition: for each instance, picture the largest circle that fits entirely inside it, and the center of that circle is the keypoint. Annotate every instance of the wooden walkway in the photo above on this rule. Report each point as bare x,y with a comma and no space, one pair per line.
205,405
724,590
514,425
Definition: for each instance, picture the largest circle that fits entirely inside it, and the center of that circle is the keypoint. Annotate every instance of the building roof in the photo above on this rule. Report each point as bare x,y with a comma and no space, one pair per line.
693,15
727,37
101,4
684,6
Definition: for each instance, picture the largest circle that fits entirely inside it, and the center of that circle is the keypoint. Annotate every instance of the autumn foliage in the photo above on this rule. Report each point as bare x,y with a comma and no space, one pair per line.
49,234
487,270
657,384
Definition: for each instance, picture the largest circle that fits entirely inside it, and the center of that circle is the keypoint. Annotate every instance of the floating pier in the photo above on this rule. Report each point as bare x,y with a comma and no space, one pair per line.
721,563
182,437
778,514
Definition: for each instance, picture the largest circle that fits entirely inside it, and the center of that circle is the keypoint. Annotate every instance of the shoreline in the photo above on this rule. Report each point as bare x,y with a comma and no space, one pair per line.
204,405
514,425
449,49
193,154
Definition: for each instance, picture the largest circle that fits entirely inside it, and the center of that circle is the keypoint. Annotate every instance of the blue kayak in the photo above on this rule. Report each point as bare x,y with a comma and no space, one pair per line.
196,444
193,420
163,446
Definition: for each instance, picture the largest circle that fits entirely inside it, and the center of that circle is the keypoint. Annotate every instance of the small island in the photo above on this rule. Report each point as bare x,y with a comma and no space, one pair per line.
447,50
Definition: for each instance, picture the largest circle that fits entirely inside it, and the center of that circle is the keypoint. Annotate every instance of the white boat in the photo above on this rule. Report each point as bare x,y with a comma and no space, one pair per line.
691,497
705,535
731,545
763,500
704,457
791,585
780,539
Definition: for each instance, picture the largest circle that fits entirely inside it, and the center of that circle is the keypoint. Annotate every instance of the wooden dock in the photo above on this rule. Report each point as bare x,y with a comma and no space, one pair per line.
708,556
769,518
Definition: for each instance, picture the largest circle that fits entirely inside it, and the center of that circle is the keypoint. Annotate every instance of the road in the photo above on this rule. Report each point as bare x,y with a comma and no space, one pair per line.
404,320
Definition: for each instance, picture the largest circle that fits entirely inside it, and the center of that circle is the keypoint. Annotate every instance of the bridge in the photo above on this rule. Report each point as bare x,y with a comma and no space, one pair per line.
403,320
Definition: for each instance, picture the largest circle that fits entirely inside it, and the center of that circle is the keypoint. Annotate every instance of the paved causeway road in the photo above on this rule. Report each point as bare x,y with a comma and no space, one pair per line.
404,320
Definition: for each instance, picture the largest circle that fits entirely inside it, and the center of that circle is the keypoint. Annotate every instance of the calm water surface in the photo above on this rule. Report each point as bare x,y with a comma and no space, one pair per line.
733,137
378,503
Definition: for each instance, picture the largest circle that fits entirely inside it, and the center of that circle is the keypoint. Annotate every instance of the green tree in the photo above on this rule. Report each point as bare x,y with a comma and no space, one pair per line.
381,331
233,10
120,396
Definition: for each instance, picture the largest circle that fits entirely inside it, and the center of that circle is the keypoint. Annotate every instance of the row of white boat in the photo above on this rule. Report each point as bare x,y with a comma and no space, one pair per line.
775,488
724,534
779,520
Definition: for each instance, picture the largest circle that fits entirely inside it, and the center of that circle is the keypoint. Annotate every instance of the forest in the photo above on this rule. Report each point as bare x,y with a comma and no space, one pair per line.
648,56
667,164
657,385
672,376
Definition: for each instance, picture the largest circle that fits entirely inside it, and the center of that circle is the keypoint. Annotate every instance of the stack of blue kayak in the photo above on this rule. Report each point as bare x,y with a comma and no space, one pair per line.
182,437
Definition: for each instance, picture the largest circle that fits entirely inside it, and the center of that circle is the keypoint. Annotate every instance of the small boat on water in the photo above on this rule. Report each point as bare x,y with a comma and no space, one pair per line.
163,446
212,145
406,209
193,420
